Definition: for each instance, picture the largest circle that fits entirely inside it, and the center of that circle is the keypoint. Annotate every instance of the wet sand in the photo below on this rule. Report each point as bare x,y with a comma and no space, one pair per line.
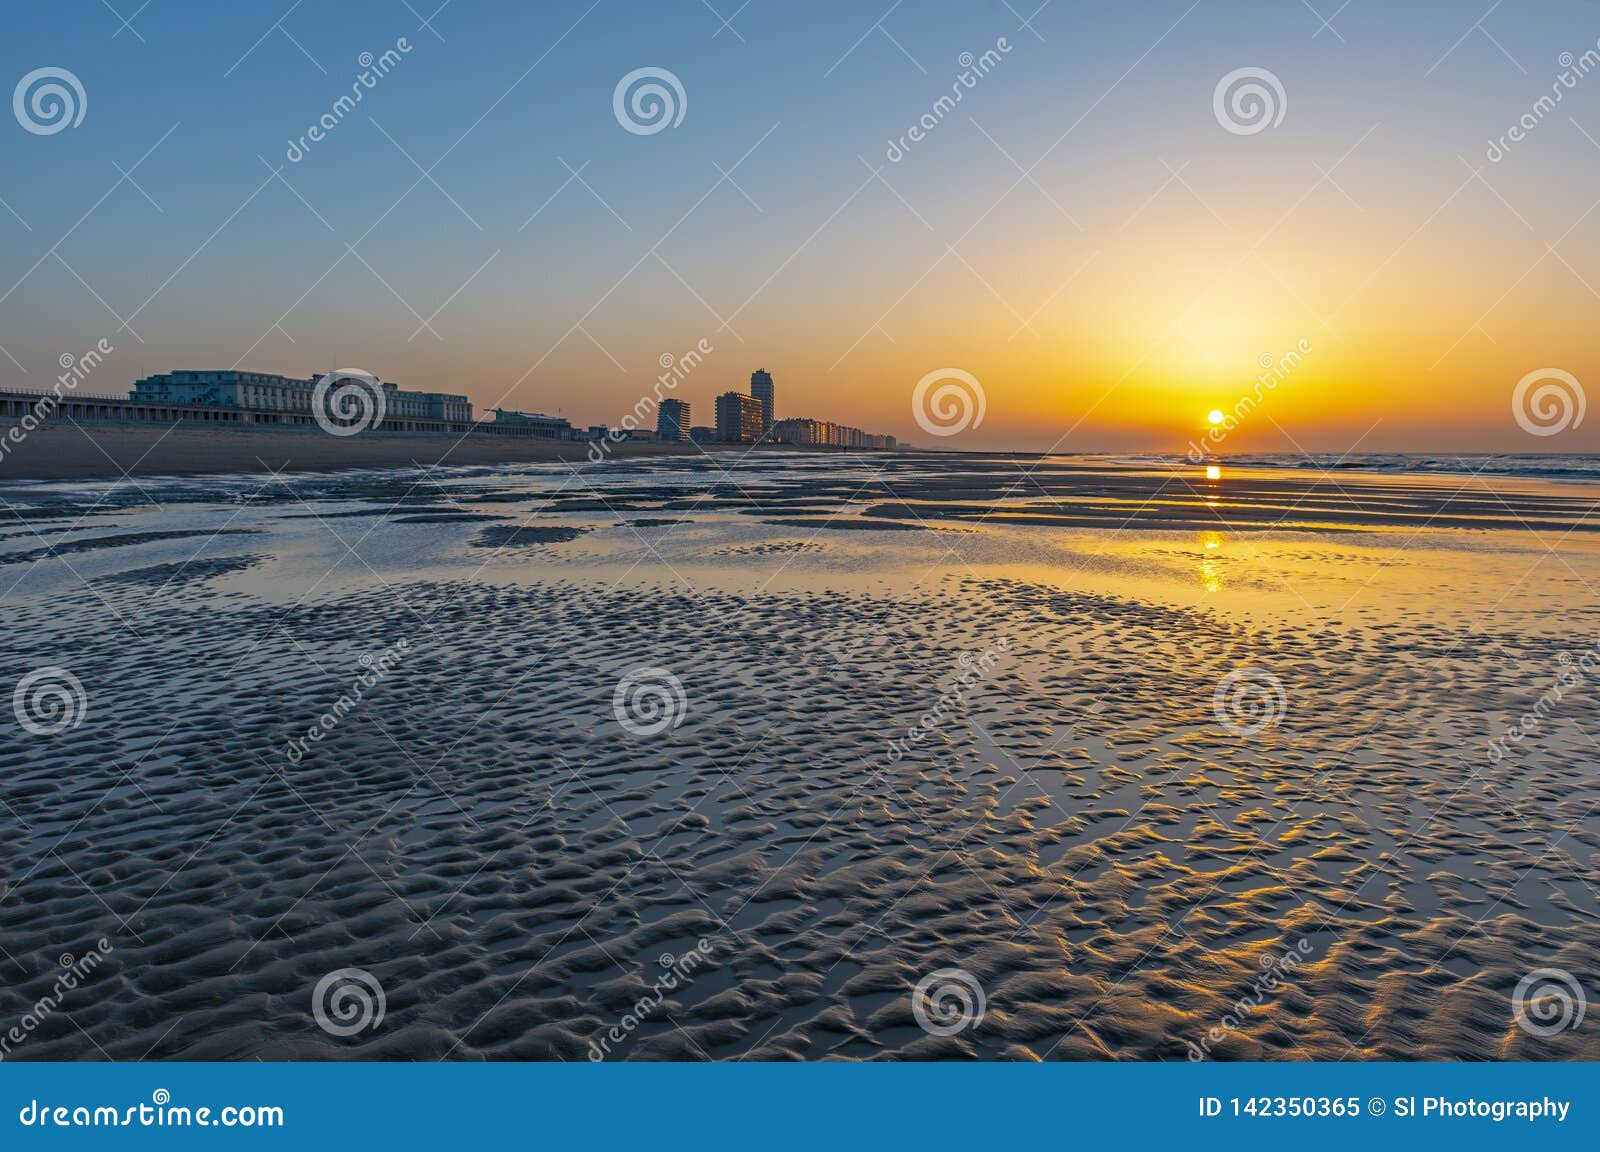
1163,767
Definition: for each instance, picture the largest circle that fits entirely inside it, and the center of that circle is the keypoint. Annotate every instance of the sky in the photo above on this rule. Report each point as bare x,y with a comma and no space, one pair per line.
1105,252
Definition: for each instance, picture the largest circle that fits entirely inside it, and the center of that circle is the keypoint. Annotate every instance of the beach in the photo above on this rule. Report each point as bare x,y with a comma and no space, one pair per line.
791,756
64,450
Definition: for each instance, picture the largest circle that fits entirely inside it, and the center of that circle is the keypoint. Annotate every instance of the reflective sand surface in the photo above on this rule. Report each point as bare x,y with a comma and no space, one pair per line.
1162,767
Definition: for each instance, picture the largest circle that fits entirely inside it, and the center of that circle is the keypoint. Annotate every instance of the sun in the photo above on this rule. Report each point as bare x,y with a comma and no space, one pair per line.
1215,416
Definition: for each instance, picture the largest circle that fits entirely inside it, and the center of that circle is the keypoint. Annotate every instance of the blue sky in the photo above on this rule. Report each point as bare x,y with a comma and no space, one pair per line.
845,285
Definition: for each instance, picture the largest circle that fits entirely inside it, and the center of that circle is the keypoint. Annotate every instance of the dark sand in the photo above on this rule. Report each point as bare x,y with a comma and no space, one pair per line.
989,745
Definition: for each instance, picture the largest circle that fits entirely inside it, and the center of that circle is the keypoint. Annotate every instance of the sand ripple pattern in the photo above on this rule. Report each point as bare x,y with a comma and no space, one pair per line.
1114,872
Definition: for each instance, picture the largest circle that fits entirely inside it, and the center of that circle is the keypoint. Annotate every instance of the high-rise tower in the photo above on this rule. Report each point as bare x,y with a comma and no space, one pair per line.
672,422
761,388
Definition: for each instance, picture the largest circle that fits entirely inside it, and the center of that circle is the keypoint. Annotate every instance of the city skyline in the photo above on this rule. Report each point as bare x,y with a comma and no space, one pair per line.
243,388
1082,232
348,401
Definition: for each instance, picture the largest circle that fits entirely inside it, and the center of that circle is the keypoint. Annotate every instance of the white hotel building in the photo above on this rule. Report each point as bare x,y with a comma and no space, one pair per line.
262,392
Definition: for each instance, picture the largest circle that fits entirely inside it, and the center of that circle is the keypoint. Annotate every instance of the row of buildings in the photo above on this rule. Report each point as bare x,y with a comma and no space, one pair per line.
259,390
752,418
807,433
265,398
258,398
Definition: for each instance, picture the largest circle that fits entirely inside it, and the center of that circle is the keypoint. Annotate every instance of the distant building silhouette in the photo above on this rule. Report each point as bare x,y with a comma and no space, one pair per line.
807,433
761,388
738,418
533,424
702,434
672,421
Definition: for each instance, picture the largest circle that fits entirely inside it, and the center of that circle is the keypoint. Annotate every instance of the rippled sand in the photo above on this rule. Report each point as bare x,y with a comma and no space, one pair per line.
995,744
